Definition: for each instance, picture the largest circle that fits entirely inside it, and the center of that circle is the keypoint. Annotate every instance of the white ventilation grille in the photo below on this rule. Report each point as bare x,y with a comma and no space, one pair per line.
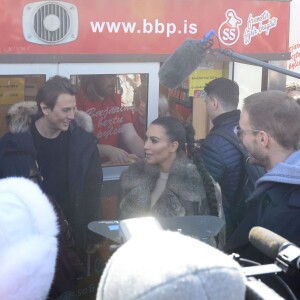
53,22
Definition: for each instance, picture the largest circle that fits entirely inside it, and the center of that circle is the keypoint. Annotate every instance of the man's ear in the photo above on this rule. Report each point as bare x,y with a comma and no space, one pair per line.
215,101
44,108
264,138
174,146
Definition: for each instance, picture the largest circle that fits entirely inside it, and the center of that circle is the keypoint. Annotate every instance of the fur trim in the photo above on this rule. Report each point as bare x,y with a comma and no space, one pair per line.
27,268
183,188
19,117
28,243
84,121
30,195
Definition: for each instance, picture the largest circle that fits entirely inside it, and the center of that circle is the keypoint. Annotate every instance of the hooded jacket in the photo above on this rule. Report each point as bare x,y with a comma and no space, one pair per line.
275,205
85,172
184,190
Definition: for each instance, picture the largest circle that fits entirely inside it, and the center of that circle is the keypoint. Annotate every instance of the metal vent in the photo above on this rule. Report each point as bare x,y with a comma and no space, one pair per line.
51,23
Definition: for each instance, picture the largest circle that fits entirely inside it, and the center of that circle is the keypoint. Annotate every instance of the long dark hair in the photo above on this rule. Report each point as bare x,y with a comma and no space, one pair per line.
174,129
194,154
184,134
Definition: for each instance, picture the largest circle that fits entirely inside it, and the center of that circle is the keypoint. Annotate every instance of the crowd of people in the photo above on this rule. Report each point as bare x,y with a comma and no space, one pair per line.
61,141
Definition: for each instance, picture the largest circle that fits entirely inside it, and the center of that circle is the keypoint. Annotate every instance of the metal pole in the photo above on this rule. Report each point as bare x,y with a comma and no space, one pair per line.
257,62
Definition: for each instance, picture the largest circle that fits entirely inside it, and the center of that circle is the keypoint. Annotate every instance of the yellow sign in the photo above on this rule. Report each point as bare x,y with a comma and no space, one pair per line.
11,90
199,78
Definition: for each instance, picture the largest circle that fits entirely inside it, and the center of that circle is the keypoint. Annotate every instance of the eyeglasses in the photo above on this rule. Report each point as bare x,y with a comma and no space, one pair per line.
238,131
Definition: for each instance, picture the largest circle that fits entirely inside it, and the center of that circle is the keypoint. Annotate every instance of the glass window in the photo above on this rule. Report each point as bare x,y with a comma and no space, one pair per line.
17,88
117,104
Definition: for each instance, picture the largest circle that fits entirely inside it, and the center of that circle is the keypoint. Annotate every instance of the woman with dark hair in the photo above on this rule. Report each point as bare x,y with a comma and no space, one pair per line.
167,183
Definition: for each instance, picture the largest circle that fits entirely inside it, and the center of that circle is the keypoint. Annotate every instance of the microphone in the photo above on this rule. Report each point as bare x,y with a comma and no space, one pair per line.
266,241
286,254
184,60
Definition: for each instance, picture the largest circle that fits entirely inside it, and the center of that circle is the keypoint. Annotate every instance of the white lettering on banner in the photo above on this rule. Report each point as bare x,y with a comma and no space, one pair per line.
147,26
294,62
258,25
229,30
113,27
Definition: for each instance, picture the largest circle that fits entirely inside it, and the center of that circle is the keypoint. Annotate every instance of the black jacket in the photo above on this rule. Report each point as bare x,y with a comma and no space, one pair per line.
17,153
274,206
85,172
225,163
85,181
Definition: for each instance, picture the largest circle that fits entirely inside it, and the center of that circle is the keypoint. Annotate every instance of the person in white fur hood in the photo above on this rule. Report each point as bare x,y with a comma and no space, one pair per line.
28,241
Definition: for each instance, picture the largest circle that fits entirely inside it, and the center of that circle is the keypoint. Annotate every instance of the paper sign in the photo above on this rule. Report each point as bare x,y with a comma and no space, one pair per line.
11,90
199,78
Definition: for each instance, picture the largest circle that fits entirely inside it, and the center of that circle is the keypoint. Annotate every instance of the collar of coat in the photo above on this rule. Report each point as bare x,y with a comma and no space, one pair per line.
21,115
184,179
143,173
138,181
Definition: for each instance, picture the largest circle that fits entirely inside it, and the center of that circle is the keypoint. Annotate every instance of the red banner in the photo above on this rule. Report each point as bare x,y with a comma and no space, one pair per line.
140,27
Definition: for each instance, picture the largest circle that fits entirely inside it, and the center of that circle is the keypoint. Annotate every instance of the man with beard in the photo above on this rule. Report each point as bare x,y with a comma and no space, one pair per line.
112,122
269,128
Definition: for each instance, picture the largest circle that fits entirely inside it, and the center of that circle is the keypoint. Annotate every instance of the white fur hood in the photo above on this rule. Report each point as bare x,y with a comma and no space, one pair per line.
28,241
20,115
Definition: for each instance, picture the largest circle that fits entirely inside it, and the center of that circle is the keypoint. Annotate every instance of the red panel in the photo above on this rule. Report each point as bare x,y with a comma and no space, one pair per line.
158,27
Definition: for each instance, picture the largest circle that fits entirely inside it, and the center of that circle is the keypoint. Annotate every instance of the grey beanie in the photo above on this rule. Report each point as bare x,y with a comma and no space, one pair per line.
169,265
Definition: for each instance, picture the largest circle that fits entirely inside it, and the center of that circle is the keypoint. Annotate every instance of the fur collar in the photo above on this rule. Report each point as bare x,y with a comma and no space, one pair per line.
20,115
183,187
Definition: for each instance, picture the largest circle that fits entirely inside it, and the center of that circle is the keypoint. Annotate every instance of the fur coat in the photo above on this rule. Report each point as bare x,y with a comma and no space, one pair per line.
184,193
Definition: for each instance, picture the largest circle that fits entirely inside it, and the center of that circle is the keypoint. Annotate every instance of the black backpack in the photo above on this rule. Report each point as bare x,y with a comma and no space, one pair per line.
252,172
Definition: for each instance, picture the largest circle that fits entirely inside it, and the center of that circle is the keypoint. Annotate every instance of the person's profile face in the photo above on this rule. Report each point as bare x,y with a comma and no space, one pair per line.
105,84
158,149
63,112
250,141
209,101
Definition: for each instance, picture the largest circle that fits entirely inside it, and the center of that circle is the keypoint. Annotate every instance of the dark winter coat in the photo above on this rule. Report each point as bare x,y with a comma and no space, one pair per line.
275,205
85,172
183,193
225,163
